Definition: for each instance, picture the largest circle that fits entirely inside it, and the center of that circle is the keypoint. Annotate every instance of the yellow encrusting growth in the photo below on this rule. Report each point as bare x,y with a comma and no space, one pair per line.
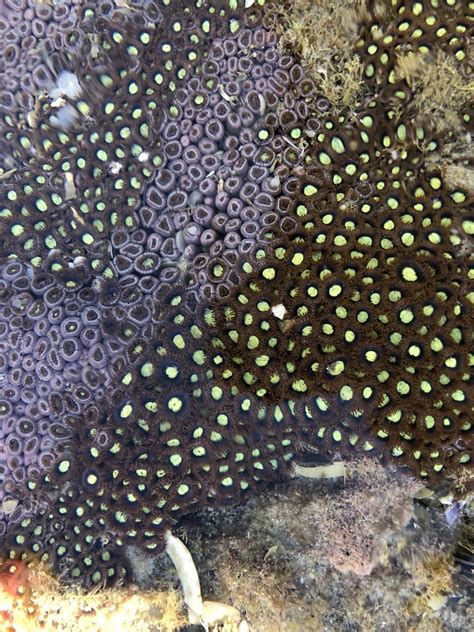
31,599
433,577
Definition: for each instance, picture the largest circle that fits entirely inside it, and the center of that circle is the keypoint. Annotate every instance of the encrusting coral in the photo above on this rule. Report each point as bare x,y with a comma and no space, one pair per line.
207,268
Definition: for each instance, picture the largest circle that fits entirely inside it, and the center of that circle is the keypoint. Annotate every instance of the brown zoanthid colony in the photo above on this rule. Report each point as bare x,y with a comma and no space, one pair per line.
212,263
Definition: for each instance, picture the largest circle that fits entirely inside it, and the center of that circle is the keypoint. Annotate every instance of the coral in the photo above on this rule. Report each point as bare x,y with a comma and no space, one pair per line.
208,268
217,181
48,385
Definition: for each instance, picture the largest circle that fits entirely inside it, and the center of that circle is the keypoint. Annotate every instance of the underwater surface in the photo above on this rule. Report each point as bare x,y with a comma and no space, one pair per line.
234,235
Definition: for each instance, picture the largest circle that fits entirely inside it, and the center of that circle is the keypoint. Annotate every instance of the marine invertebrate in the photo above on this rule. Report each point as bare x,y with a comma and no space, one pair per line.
205,267
217,181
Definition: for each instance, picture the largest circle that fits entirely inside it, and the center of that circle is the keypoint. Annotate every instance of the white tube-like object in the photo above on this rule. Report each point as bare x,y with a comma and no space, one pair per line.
188,576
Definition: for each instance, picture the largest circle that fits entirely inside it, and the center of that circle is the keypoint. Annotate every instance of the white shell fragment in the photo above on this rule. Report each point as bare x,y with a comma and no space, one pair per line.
206,613
70,187
58,102
224,94
65,117
67,84
8,506
115,167
187,573
279,311
335,470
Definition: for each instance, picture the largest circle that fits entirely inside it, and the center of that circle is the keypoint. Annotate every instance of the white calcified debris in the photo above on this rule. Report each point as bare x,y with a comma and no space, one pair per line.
224,94
66,85
8,506
115,167
70,187
334,470
206,613
249,3
187,573
77,261
275,182
58,102
279,311
180,243
65,117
